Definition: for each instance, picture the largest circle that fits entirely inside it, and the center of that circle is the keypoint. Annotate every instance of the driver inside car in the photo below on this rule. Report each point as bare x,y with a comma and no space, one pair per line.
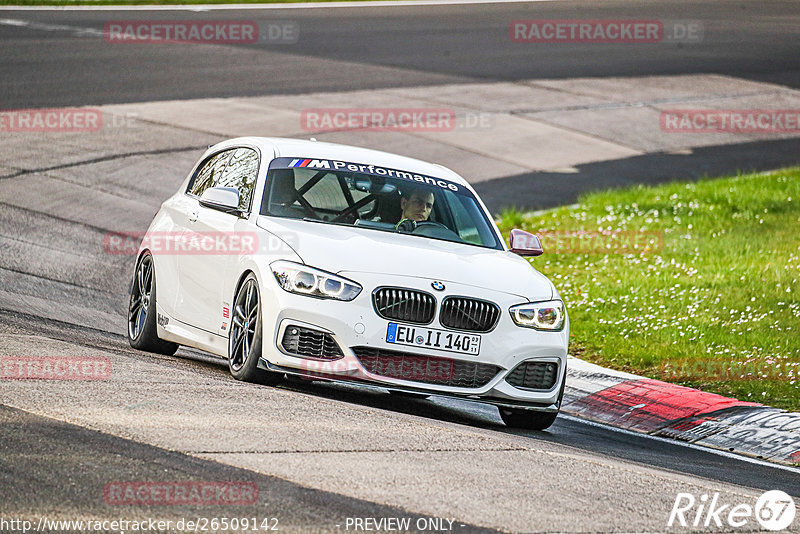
415,205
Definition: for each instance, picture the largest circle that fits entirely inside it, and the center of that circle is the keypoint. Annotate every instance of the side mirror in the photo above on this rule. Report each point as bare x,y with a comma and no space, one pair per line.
525,243
222,199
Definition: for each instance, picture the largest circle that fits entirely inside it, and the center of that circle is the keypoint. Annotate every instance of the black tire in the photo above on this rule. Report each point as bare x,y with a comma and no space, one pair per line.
527,419
533,420
142,330
244,336
408,394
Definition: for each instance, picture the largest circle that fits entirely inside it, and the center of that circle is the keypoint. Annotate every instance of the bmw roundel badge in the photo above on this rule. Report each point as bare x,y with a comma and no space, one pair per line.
438,286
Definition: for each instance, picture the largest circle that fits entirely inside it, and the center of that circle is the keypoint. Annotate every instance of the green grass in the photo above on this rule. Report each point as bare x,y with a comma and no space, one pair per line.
717,308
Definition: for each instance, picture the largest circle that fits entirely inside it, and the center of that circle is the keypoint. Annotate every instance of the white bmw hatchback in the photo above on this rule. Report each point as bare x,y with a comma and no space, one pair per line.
341,263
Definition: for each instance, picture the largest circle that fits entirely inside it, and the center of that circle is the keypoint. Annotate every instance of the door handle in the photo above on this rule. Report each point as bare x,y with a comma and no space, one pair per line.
193,216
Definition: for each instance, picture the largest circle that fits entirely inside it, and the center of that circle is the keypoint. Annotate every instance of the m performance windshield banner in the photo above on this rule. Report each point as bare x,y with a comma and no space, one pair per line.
374,170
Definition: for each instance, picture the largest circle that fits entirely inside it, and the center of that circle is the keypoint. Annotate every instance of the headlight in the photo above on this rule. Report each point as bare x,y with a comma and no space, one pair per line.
548,315
297,278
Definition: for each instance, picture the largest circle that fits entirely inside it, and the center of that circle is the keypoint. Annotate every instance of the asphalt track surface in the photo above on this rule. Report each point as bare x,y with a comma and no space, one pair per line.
42,475
52,62
57,285
362,48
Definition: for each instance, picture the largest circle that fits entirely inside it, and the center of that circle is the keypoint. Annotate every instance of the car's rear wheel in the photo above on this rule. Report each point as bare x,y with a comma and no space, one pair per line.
244,338
142,329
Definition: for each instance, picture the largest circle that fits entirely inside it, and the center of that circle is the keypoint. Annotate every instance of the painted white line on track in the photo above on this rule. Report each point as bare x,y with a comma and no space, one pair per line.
304,5
51,27
718,452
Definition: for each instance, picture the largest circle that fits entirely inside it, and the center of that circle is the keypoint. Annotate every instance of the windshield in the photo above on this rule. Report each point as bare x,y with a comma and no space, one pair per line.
376,198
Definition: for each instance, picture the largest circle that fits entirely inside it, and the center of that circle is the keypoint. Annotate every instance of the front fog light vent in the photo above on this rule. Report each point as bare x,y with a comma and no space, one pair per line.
308,343
534,375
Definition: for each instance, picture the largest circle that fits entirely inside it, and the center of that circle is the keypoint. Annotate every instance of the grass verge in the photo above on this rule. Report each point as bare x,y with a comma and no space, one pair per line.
694,283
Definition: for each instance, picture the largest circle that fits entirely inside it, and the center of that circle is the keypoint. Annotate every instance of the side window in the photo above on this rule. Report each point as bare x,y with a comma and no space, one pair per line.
241,173
464,221
209,173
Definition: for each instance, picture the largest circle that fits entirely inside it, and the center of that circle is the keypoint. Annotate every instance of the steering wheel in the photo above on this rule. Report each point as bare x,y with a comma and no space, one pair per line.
431,223
410,226
406,226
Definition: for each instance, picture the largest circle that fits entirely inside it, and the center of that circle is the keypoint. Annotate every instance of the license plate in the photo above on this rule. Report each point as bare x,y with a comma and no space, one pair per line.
417,336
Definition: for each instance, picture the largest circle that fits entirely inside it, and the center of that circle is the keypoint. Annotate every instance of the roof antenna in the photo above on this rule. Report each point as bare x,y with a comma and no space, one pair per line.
312,139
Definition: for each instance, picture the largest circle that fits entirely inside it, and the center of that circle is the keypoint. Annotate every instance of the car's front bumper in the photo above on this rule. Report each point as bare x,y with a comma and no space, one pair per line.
356,324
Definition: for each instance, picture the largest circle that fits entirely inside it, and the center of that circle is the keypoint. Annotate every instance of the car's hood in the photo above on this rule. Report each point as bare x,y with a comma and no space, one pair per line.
343,248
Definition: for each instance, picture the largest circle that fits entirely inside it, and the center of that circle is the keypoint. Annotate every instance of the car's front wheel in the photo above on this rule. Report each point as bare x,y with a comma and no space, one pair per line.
532,420
527,419
244,338
142,330
408,394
